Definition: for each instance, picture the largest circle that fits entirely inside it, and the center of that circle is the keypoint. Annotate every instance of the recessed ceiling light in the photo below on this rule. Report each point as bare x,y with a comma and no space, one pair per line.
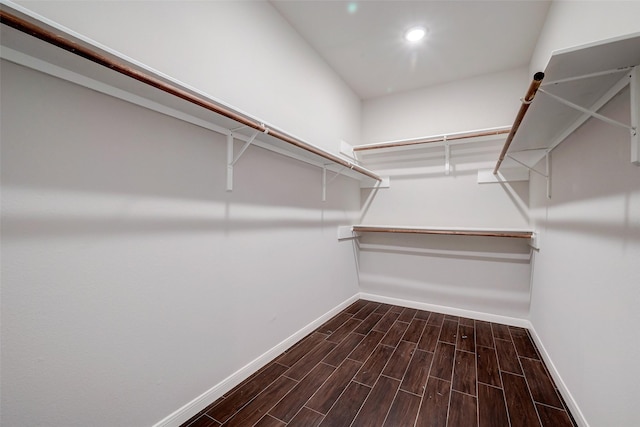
415,34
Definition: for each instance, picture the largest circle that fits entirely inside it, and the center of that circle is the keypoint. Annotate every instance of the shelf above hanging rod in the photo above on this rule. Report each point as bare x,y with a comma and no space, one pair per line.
454,231
76,58
451,137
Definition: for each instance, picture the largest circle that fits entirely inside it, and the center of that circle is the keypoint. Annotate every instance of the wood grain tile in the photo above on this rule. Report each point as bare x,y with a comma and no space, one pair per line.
552,417
375,408
540,384
204,421
241,396
259,406
386,322
404,410
366,346
395,334
401,358
333,387
435,404
414,331
484,336
501,332
464,373
442,365
355,307
492,411
308,362
383,309
334,323
449,332
346,408
407,315
422,315
465,321
435,319
343,331
415,378
488,369
374,365
507,357
289,406
523,344
342,350
299,350
367,324
522,413
365,311
466,338
428,373
463,410
269,421
429,338
306,418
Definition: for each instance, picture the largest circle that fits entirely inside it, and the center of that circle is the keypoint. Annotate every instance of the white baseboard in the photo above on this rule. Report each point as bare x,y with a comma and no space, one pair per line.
478,315
566,395
199,403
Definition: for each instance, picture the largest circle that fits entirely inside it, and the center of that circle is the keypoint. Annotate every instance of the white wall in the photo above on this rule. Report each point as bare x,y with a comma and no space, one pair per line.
484,275
485,101
574,23
586,275
131,281
241,52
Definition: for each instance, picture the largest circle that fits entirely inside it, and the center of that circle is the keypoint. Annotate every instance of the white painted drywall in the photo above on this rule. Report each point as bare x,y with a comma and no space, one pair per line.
485,275
586,277
241,52
574,23
131,281
485,101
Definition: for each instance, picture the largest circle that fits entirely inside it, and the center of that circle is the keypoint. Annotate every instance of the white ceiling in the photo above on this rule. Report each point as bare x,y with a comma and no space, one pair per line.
363,40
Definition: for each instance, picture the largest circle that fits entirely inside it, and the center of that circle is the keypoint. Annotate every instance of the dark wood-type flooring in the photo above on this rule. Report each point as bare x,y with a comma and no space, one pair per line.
382,365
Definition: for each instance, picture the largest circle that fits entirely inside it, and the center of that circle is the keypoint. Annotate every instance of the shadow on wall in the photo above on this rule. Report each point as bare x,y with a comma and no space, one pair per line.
74,161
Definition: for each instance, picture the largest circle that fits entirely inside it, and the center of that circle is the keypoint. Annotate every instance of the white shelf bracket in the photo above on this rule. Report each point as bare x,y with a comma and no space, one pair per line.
635,115
547,161
231,161
447,156
586,110
325,183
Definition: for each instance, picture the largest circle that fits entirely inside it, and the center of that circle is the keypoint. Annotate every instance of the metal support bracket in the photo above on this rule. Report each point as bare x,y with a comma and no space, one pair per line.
447,156
231,160
325,183
635,115
586,110
547,161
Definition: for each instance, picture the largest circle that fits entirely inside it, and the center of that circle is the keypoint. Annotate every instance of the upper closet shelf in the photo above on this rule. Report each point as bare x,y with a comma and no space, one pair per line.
36,42
446,141
351,231
576,83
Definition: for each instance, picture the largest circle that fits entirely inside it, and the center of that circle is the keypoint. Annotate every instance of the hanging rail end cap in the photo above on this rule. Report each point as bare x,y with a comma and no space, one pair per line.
538,76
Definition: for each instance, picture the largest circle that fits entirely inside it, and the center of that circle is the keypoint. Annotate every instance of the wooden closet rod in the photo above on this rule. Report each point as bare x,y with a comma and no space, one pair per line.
93,56
430,140
408,230
526,102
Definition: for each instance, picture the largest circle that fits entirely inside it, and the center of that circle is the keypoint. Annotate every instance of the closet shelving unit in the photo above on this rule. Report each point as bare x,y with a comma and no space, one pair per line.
38,43
445,141
577,83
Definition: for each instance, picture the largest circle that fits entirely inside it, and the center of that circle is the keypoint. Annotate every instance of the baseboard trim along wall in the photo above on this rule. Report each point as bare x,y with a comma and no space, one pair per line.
199,403
562,387
478,315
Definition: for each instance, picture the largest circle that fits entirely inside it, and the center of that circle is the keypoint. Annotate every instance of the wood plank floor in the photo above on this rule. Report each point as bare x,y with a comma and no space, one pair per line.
381,365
